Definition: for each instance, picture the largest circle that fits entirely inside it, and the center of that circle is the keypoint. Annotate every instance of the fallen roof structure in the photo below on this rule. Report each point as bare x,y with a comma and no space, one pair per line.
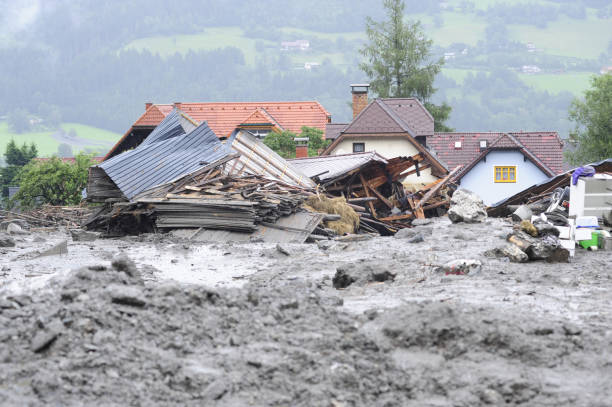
177,147
372,183
544,189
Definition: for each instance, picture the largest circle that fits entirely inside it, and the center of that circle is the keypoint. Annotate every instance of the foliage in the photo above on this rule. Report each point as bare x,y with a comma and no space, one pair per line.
19,121
315,140
441,114
15,157
19,156
282,143
592,116
399,60
64,150
53,181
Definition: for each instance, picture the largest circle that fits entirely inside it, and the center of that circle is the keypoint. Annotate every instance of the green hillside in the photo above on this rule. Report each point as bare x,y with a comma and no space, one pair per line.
86,138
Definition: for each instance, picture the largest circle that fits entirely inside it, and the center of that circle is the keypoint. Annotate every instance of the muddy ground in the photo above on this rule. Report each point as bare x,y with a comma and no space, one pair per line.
181,322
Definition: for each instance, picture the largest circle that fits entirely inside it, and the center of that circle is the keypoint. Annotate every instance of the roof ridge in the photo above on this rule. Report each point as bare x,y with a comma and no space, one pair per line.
419,103
396,118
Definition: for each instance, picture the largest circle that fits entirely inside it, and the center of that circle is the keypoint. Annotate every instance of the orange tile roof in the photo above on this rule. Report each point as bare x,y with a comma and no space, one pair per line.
224,118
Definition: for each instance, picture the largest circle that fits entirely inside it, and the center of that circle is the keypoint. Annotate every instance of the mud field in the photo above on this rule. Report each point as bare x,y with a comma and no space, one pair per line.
162,320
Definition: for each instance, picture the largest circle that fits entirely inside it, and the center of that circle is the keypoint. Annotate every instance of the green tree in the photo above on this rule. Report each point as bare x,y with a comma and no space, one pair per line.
15,157
315,140
592,134
53,181
282,143
399,61
19,121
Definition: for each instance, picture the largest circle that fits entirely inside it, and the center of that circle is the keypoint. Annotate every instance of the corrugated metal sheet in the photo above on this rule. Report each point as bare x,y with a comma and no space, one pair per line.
257,158
171,154
175,124
332,166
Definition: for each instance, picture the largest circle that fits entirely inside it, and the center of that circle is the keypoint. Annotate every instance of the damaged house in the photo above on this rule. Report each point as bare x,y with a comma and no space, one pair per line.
494,165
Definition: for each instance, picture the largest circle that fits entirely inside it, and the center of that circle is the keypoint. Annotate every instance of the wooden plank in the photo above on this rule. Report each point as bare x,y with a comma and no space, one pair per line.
397,217
370,204
423,168
437,188
378,194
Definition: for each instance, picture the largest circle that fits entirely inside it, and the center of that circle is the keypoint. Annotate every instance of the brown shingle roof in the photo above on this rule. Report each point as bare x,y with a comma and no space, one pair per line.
413,113
333,130
545,147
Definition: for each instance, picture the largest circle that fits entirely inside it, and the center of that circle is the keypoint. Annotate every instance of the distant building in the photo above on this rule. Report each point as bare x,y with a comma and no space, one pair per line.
464,52
531,47
605,70
299,45
530,69
310,65
449,55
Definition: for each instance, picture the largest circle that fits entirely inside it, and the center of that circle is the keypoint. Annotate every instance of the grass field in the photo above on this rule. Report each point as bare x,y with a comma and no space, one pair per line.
47,145
574,82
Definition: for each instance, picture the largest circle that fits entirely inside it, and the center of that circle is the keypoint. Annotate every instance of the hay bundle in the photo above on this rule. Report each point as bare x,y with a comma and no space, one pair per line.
349,222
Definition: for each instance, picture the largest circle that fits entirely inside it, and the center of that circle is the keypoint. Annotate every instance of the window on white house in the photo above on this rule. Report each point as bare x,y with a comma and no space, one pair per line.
358,147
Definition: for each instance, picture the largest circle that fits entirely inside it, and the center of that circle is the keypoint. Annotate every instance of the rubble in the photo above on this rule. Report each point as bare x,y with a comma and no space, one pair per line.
55,250
15,229
462,267
80,235
466,207
510,251
361,274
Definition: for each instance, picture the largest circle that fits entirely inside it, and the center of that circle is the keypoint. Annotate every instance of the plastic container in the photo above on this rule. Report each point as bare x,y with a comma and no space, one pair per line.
593,241
587,222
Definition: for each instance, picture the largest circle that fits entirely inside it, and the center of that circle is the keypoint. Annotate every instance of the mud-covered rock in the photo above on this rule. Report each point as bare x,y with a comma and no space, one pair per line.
80,235
121,262
361,274
466,207
509,251
422,222
405,233
14,229
548,248
126,295
6,240
55,250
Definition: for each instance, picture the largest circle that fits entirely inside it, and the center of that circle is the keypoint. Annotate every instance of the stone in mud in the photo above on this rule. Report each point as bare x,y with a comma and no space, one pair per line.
361,274
462,267
466,207
421,222
405,233
283,250
15,229
44,338
418,238
510,251
527,227
122,262
548,248
126,295
58,249
215,390
522,240
80,235
6,240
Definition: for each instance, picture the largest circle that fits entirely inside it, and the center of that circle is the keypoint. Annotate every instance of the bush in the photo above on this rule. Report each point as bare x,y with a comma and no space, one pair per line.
53,182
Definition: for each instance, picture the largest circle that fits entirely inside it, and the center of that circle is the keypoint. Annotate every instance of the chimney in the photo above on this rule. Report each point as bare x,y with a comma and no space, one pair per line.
148,105
360,97
178,105
301,147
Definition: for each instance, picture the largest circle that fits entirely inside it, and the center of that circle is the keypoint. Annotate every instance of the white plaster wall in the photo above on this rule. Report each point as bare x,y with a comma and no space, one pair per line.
388,147
481,178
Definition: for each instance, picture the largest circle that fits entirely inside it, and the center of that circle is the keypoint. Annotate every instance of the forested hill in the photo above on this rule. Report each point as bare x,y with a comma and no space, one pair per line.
510,65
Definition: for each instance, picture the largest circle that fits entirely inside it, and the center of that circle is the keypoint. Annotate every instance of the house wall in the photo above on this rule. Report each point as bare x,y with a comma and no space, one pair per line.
388,147
481,178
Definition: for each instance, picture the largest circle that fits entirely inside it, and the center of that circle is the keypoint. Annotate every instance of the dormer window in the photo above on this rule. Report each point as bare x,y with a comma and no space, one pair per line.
457,145
483,144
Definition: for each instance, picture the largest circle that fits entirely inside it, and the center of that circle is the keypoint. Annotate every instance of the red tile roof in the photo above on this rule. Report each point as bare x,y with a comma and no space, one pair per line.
224,118
545,147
